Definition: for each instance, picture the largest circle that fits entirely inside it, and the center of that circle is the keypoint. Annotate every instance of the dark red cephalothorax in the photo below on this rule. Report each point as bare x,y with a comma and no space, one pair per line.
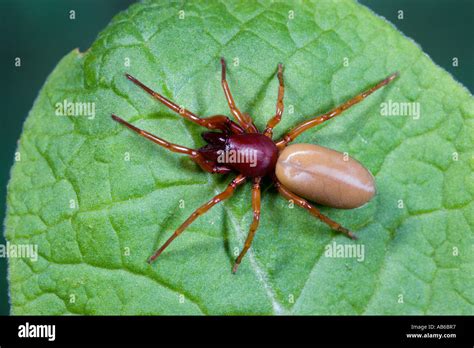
241,148
250,154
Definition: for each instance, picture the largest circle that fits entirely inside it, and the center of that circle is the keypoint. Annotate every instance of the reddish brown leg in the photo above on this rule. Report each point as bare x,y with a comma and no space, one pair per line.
254,225
198,212
214,122
279,107
333,113
206,165
243,119
315,212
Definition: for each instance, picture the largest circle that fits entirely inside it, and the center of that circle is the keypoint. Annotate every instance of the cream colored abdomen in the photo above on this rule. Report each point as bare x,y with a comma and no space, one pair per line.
325,176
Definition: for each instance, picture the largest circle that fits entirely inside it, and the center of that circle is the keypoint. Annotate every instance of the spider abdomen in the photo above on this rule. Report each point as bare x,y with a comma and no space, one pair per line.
325,176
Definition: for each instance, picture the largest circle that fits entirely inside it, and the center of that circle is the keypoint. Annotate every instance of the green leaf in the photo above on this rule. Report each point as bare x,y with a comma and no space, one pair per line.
96,217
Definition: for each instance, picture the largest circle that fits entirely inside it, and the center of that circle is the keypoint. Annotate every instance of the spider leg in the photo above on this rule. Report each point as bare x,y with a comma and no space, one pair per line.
313,211
254,225
279,106
214,122
198,212
206,165
302,127
243,119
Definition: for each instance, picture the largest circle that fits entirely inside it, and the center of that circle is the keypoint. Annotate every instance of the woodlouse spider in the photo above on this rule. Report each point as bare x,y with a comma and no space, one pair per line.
298,171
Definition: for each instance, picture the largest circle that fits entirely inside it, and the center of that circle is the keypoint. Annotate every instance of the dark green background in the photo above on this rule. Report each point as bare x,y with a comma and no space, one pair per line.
41,33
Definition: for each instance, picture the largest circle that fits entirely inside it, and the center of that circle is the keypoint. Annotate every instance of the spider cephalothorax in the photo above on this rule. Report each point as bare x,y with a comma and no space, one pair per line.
240,147
251,154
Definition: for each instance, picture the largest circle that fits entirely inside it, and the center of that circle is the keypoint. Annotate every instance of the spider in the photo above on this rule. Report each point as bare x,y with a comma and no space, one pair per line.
321,183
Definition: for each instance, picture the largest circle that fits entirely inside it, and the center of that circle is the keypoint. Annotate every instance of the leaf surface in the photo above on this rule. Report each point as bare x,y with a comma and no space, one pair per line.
96,216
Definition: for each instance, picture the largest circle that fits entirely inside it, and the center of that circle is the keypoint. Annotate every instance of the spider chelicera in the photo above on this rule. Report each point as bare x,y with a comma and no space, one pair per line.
243,137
